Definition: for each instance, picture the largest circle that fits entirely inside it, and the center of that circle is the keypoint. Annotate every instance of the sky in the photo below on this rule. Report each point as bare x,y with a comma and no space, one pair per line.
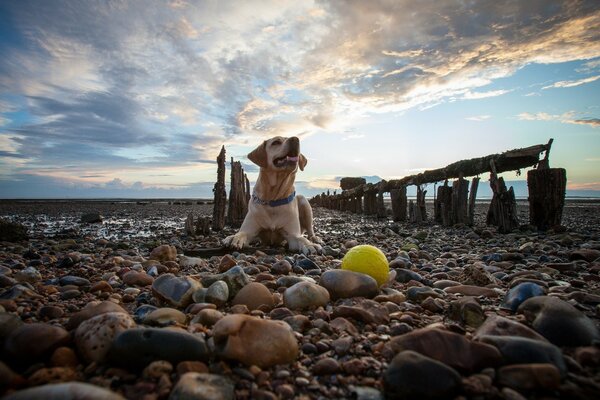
135,98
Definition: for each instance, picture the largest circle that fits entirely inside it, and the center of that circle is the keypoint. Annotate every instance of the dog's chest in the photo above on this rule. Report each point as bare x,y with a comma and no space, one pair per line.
276,218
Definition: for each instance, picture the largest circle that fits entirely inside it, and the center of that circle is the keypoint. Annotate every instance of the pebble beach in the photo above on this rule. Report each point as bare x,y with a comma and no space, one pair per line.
111,300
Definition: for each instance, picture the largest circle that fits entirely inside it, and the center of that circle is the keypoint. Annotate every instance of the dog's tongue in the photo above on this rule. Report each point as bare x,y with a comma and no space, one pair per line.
293,159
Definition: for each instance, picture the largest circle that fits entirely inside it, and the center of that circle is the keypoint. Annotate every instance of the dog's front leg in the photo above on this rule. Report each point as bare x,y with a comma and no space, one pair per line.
298,243
247,233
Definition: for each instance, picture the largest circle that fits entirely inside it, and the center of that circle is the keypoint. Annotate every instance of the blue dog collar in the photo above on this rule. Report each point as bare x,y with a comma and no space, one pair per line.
273,203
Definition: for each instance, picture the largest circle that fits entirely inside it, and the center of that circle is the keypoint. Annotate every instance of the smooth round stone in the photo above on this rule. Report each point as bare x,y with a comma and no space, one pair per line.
217,293
70,294
135,278
165,316
73,280
196,386
91,310
34,342
138,347
235,278
306,264
175,291
524,377
419,293
199,296
520,293
470,290
8,324
411,375
255,341
29,275
51,312
254,295
559,322
342,283
406,275
496,325
287,281
281,267
95,335
164,253
65,391
227,262
467,311
445,283
305,296
326,366
142,311
207,317
450,348
518,350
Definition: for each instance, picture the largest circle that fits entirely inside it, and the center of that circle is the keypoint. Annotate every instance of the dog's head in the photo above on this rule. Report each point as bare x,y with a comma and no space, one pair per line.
279,154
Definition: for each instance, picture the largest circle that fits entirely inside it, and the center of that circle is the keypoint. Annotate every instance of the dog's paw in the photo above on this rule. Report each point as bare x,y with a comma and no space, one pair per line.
316,239
237,241
311,249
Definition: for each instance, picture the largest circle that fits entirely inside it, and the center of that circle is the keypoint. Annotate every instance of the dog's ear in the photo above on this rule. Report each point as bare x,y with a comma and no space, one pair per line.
259,155
302,161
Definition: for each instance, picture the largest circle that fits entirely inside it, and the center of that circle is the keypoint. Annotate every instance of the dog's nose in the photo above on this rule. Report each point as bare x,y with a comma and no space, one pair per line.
294,144
294,140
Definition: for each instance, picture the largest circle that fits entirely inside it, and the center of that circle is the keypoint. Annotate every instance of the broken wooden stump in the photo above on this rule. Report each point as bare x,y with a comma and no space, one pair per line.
546,196
399,204
202,226
381,211
421,203
190,228
503,207
443,205
370,207
220,195
350,183
414,212
460,192
472,198
238,201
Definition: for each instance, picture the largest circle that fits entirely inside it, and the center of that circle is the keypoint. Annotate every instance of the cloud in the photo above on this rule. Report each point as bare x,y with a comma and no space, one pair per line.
482,95
479,118
568,84
565,118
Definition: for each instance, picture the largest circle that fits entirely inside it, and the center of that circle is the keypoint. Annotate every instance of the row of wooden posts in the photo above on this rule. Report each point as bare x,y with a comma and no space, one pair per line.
455,203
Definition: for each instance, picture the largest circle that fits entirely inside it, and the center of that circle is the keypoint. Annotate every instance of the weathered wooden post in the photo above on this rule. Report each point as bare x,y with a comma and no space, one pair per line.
503,208
546,193
238,206
472,198
220,195
460,191
443,205
421,203
399,203
381,212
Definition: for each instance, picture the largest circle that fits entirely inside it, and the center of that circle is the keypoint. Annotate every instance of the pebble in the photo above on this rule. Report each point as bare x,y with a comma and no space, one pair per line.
65,391
92,310
207,317
419,293
194,385
235,278
406,275
135,278
174,290
227,262
164,253
343,284
411,375
529,376
281,267
450,348
496,325
518,294
254,341
28,275
305,296
559,322
138,347
254,295
470,290
73,280
467,311
34,342
165,316
94,336
217,294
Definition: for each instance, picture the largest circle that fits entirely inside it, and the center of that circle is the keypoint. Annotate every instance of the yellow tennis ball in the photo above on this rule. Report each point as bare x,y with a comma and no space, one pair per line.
368,260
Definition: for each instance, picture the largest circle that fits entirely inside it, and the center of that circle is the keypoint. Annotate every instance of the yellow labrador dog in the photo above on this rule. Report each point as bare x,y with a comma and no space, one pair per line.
275,212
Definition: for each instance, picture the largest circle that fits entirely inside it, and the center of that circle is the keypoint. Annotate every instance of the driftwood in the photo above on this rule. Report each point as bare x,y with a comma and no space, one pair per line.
220,195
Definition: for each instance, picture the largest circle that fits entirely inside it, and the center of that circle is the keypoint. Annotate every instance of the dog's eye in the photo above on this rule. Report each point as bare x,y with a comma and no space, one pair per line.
275,142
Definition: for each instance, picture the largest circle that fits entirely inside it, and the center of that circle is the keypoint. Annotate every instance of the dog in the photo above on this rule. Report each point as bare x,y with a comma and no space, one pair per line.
275,212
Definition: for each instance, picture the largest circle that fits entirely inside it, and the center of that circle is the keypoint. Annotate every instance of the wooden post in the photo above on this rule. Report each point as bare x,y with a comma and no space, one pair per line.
381,213
399,204
443,205
238,206
189,225
503,208
220,195
414,212
202,226
472,198
546,196
370,202
421,203
460,191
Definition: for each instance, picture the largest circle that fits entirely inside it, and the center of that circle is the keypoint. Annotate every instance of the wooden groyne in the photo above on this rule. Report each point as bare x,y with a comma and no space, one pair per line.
455,203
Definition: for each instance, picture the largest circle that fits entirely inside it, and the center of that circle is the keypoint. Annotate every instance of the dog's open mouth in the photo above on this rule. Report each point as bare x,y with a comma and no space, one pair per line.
285,161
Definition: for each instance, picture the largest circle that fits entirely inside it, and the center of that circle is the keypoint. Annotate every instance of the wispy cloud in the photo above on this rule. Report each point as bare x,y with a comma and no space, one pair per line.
482,95
566,118
568,84
479,118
